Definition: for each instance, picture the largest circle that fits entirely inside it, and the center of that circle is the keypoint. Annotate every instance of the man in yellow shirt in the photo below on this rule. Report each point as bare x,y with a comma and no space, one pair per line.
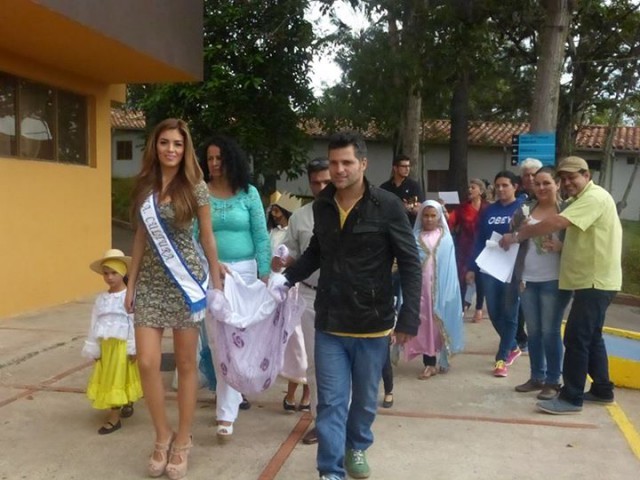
590,266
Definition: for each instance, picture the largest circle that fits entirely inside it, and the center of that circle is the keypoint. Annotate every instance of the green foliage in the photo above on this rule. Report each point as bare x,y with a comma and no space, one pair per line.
487,39
121,198
498,45
257,56
631,257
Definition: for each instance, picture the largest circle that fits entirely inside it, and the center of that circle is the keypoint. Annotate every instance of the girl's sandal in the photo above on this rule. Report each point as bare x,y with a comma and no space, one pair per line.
428,373
176,471
156,468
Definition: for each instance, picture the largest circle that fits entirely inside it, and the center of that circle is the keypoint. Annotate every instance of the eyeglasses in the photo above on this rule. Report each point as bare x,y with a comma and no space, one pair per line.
318,163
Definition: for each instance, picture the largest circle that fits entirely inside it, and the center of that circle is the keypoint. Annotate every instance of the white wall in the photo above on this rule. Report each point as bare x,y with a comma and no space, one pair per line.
127,168
484,162
621,173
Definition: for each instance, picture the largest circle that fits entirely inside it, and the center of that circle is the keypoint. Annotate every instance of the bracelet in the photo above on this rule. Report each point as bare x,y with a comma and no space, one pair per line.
516,237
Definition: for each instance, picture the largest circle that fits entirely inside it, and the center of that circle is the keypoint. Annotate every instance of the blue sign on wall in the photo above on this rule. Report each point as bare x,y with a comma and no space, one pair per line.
534,145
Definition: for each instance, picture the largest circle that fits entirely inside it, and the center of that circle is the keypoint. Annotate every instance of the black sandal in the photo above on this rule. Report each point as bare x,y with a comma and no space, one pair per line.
104,430
245,404
127,410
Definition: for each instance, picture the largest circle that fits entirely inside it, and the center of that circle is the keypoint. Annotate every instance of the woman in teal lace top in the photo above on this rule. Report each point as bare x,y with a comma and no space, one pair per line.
239,223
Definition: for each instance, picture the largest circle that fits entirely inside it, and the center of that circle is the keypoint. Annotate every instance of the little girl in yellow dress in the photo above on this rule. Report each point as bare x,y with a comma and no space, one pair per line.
115,381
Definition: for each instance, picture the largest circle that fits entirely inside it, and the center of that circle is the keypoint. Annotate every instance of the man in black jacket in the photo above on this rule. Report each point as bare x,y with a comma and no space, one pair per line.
358,231
407,190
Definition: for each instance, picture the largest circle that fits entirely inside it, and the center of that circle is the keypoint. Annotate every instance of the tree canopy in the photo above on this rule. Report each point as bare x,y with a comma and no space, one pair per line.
257,56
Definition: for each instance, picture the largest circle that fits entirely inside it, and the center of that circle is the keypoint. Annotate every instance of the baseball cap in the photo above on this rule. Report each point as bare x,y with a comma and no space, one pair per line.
572,164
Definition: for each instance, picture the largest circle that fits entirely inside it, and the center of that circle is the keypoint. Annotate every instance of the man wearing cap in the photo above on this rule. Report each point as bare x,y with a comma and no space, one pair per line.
590,266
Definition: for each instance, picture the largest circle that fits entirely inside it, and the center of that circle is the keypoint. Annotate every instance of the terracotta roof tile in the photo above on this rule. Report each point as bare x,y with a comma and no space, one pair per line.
589,137
127,119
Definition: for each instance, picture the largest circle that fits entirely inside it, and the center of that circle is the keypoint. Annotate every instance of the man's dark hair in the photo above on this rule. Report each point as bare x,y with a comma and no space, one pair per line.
318,164
346,138
401,158
513,178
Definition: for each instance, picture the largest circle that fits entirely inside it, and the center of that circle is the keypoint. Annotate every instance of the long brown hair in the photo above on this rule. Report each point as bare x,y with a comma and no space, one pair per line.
181,187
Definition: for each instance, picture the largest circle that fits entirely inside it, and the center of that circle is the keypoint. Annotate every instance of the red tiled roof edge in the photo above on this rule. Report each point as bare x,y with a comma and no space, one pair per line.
488,134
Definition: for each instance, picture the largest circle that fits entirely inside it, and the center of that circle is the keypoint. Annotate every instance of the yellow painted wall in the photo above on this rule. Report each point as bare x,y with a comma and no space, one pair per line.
55,218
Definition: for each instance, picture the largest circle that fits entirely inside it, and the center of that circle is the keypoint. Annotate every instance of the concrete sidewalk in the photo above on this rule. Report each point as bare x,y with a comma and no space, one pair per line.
463,425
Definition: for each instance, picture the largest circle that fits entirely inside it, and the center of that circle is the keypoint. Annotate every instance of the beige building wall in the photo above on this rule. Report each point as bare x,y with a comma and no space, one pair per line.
55,218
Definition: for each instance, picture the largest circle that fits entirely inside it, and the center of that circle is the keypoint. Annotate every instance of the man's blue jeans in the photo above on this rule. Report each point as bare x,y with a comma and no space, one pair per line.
543,305
205,365
502,303
585,352
348,371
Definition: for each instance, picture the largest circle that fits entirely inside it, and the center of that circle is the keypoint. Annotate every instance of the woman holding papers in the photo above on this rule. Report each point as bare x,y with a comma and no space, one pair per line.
543,304
168,281
502,298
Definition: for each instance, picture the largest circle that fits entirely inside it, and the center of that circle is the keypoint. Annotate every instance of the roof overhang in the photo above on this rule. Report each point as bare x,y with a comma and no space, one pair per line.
119,41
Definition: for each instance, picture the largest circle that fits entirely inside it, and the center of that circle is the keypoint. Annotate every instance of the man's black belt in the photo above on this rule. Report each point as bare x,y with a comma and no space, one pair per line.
309,286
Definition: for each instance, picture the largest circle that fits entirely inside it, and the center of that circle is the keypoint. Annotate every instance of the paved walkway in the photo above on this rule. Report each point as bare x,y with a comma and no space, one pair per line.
463,425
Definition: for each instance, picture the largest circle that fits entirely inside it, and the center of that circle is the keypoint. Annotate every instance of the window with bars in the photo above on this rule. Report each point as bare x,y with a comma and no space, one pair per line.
124,150
41,122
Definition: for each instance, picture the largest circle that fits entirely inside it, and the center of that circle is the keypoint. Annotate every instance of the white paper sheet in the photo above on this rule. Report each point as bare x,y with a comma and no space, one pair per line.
496,261
450,198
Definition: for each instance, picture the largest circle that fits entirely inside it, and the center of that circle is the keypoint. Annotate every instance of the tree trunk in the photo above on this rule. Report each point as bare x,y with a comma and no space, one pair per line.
412,128
608,153
458,140
553,37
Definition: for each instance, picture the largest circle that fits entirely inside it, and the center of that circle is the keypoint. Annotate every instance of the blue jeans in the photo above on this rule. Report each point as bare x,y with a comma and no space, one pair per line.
543,306
502,304
205,365
347,368
585,352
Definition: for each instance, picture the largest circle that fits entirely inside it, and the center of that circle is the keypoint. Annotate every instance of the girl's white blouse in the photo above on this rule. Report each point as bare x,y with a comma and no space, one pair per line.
109,319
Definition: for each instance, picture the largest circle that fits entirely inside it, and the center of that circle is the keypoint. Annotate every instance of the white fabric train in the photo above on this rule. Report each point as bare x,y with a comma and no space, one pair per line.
248,327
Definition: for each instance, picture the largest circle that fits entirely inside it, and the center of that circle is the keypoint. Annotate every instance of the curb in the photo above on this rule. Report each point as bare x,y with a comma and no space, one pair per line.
627,299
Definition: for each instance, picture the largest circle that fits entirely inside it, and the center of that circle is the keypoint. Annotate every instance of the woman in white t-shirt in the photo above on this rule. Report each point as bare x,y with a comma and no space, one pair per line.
543,304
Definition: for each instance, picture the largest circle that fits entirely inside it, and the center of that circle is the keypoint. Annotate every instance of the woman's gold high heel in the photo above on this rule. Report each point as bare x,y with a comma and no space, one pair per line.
157,467
176,471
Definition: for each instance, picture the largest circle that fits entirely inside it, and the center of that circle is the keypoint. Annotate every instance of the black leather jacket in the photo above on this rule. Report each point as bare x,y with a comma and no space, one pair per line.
354,289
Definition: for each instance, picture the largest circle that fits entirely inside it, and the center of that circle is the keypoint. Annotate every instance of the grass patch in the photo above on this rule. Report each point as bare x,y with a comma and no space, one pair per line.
631,257
121,198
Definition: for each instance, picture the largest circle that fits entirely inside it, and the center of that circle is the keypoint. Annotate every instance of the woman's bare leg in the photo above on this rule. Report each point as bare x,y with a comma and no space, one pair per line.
149,353
185,344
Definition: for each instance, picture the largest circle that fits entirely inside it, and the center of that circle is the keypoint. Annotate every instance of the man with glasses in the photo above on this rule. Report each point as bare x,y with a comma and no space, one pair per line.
408,190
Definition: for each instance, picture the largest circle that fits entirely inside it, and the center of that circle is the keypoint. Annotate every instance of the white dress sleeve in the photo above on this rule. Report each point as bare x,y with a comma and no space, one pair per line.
131,338
91,347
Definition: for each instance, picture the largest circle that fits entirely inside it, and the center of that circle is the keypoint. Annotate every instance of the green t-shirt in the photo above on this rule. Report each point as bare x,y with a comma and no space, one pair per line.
592,249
